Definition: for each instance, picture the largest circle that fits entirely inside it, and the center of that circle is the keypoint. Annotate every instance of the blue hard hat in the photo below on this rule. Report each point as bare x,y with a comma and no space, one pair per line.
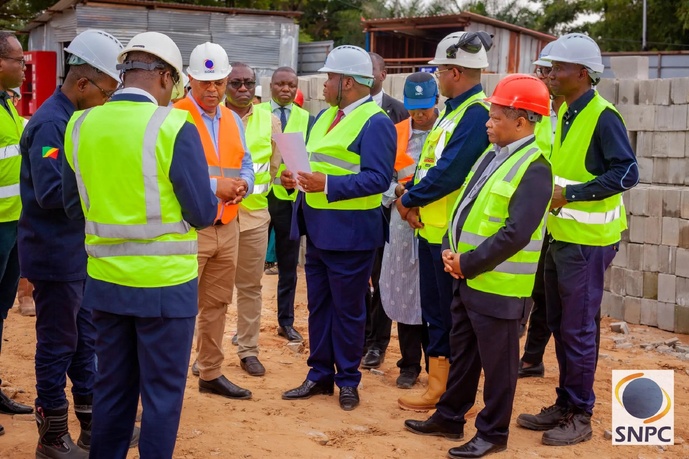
420,91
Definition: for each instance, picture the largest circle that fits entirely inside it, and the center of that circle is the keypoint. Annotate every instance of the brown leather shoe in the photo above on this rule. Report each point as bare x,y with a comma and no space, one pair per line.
252,366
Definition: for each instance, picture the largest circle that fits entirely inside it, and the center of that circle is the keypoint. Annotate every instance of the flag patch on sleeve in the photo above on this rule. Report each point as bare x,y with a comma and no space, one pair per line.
50,152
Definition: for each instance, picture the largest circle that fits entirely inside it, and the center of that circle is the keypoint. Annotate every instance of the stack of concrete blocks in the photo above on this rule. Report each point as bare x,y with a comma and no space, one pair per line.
648,282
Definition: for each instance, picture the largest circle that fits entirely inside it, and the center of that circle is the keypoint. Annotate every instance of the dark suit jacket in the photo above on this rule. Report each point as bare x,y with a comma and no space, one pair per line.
394,108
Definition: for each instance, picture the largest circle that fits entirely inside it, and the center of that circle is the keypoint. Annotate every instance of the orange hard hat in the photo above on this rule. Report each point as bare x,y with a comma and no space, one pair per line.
299,98
522,91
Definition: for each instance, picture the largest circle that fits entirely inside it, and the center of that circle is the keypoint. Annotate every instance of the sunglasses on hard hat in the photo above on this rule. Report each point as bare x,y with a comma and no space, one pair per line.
471,43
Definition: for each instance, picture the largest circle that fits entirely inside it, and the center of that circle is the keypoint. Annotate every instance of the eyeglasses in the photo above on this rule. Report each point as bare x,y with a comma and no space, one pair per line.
470,42
217,83
21,60
438,72
106,94
236,84
543,71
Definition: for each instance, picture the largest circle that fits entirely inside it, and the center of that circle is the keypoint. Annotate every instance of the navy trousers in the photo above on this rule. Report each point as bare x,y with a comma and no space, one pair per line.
65,340
9,268
574,291
538,334
481,342
287,252
139,355
435,287
336,282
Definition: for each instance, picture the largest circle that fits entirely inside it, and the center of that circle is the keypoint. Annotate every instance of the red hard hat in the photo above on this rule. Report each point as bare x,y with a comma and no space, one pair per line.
522,91
299,98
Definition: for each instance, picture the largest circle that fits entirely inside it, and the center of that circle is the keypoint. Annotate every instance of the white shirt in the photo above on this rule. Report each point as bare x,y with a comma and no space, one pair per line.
378,98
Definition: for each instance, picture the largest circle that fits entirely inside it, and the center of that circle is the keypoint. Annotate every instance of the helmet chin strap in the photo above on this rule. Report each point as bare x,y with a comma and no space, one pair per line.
339,91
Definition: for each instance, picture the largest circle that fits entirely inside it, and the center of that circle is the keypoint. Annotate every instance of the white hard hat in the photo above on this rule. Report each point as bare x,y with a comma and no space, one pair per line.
258,92
159,45
467,49
98,49
577,48
208,62
544,52
17,92
348,60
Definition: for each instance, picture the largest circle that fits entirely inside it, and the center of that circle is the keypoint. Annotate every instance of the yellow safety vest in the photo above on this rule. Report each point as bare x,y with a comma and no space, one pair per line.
11,128
259,135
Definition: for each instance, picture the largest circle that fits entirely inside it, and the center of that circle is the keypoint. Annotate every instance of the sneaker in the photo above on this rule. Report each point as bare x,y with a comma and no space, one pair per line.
547,419
272,271
574,428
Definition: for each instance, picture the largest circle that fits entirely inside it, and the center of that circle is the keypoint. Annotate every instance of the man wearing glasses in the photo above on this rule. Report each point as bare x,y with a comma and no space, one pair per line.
457,140
141,244
229,166
51,245
254,218
11,127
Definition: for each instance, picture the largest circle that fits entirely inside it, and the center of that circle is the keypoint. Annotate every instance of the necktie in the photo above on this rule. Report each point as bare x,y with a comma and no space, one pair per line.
338,117
283,118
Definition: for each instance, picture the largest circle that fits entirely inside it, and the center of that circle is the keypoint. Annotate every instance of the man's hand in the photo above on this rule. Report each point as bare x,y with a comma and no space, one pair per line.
287,180
242,188
558,198
414,219
230,189
311,182
401,209
451,264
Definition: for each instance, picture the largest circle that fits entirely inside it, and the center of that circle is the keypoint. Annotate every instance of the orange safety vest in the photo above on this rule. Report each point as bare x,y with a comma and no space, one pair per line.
404,164
231,150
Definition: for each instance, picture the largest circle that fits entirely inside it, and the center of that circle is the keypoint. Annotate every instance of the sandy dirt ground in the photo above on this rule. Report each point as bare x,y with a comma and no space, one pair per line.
267,426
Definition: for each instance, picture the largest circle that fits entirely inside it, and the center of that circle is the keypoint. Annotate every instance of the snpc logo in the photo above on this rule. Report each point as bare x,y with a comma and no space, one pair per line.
643,407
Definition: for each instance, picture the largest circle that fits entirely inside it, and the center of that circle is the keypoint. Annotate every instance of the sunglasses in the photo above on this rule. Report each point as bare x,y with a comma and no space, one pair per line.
471,43
236,84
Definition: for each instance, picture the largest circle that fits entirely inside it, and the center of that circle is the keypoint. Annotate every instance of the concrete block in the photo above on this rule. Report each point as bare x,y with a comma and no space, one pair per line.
667,288
608,89
650,285
679,90
662,95
661,144
681,319
387,85
633,283
678,117
655,201
620,327
612,305
670,231
629,67
617,282
683,234
663,118
316,87
682,291
621,257
650,260
638,117
303,84
632,310
644,144
637,203
647,91
653,230
666,316
398,86
682,264
676,144
645,169
607,280
667,258
649,313
637,228
684,204
669,171
628,91
635,256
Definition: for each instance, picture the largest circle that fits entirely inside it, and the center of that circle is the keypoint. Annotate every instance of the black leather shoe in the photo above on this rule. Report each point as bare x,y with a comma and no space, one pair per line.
534,371
9,406
438,428
349,398
407,378
373,359
224,387
253,366
476,447
195,368
290,333
308,389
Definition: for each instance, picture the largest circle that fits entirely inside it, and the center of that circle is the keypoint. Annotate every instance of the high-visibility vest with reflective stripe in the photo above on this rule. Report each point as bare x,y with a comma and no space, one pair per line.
259,136
329,154
136,235
436,214
405,166
11,128
515,276
231,150
544,135
597,223
298,121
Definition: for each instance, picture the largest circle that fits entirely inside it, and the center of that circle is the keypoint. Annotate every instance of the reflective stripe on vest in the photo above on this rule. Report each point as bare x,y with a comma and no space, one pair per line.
9,191
435,215
515,276
596,223
9,151
330,156
11,128
224,171
259,134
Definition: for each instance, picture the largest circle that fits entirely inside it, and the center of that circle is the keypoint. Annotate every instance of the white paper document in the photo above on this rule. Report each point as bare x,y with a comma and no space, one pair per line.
293,151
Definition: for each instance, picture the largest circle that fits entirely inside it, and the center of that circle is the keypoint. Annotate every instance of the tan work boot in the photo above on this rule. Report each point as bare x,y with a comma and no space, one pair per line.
438,370
27,307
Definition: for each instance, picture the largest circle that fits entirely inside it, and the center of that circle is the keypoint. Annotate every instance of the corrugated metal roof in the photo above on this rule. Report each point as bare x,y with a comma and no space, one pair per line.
261,52
105,18
178,21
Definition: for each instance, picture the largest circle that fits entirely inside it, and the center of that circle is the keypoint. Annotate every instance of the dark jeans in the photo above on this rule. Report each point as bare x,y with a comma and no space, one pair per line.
9,268
538,333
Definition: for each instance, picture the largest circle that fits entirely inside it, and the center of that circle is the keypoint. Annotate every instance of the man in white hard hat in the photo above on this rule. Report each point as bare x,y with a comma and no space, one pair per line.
229,162
593,163
254,218
457,140
352,149
11,126
51,247
141,244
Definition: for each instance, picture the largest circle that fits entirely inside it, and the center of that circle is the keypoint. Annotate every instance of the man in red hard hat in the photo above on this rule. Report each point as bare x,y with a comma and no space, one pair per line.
491,250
